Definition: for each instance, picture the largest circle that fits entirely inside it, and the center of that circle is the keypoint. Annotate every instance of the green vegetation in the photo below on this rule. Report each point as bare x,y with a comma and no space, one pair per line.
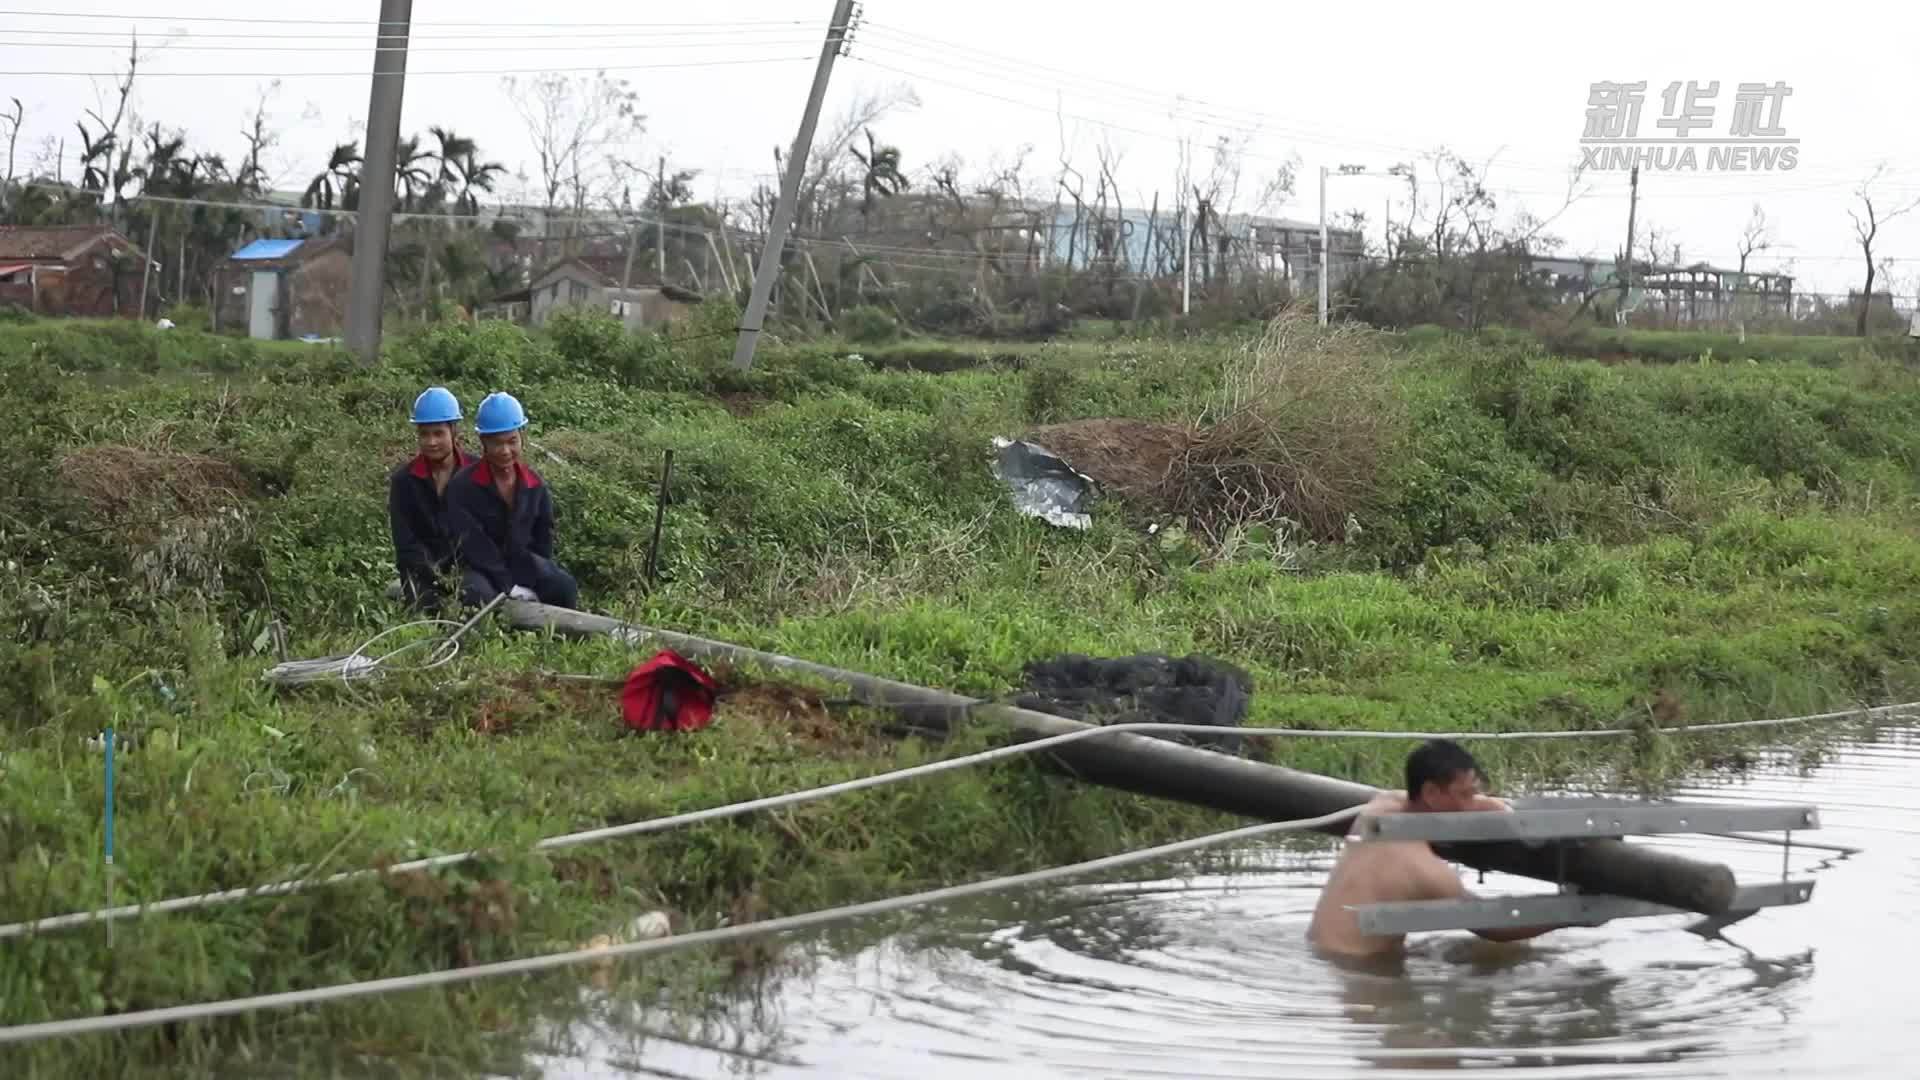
1688,347
1532,543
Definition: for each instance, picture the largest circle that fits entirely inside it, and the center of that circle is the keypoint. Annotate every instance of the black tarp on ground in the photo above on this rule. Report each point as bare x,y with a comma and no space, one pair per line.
1147,688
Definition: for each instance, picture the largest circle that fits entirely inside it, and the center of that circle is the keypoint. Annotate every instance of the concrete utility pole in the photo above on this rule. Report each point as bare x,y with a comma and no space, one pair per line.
769,267
1323,245
146,257
367,290
1633,205
1186,265
660,221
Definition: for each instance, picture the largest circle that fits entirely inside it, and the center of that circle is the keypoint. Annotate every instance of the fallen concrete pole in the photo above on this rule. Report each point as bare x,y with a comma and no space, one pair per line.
1149,766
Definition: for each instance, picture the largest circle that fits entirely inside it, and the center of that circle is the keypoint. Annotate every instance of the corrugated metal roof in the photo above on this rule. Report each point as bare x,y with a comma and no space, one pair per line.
51,242
268,249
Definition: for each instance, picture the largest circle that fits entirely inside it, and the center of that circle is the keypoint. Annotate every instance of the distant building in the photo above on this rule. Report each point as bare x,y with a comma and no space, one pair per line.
1701,293
593,281
1134,240
280,289
70,270
1681,294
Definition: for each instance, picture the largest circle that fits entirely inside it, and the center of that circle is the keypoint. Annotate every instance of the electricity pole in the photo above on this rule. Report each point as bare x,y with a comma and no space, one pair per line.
660,219
1186,265
1323,245
769,267
368,284
1633,204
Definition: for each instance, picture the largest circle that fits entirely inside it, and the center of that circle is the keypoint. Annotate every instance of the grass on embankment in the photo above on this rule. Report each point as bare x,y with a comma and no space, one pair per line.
1548,545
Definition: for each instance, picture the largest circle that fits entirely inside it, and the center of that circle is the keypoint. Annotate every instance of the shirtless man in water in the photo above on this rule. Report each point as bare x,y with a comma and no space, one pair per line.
1441,777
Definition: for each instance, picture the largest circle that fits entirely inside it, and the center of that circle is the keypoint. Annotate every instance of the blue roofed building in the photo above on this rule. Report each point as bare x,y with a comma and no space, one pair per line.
278,289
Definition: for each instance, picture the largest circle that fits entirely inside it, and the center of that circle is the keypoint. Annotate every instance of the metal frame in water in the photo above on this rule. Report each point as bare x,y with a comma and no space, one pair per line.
1561,825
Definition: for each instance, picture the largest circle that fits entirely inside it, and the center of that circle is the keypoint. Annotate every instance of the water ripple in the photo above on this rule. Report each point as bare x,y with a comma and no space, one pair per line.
1209,975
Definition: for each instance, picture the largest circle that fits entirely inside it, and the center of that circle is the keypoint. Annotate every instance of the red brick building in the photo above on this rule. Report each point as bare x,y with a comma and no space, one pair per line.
73,270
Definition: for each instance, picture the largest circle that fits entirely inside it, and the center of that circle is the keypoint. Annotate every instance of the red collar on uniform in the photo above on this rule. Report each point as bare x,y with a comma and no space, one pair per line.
483,474
423,470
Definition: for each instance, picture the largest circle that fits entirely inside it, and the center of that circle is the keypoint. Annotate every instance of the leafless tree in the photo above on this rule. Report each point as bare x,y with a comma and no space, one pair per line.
253,175
576,126
1756,237
14,121
1866,231
122,173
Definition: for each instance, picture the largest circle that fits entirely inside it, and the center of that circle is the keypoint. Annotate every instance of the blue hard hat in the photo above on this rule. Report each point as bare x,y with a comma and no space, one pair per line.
498,414
436,405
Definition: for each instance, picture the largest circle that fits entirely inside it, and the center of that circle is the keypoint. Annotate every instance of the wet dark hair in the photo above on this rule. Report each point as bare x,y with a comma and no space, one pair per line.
1438,760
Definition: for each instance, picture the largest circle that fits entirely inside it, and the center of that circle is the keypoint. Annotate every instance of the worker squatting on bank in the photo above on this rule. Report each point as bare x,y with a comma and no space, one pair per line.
423,544
1442,777
501,514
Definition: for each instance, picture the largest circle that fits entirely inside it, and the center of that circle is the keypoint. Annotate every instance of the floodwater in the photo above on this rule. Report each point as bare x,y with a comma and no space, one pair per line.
1187,976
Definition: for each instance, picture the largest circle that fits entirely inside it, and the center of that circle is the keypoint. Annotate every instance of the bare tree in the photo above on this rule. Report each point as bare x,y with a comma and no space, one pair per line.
118,176
1866,232
14,120
253,176
576,126
1756,237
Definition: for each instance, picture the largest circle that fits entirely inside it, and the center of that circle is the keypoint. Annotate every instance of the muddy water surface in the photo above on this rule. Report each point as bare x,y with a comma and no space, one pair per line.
1176,976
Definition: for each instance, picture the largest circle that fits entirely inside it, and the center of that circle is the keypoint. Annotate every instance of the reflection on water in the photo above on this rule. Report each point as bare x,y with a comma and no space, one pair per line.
1210,975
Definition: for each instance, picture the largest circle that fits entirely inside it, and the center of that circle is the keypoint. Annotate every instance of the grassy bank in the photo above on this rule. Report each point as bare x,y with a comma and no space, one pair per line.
1509,541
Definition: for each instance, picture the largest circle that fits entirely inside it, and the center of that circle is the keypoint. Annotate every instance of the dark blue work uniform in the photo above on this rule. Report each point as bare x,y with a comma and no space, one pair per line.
503,546
423,541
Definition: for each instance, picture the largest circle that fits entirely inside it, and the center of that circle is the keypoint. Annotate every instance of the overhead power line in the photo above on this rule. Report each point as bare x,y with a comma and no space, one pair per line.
255,20
411,73
948,54
509,45
121,36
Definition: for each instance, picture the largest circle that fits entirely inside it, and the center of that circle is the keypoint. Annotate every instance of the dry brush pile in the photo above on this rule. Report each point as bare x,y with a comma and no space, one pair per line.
1294,438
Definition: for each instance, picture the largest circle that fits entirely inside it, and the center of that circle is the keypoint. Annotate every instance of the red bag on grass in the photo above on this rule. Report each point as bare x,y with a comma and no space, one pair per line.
667,693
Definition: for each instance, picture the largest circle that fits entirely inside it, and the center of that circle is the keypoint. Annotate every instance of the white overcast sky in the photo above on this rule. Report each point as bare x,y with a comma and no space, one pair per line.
1361,82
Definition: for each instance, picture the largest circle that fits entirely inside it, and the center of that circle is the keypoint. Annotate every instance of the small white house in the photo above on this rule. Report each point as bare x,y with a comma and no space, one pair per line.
593,281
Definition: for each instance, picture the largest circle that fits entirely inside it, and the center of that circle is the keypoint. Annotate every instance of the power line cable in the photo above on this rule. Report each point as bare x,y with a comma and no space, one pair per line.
942,51
415,49
410,73
283,21
774,802
528,965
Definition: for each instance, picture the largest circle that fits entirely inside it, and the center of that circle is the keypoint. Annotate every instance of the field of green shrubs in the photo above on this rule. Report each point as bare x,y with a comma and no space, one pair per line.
1518,540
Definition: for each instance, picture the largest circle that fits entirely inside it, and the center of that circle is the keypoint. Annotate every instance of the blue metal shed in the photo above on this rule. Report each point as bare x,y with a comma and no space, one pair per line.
267,249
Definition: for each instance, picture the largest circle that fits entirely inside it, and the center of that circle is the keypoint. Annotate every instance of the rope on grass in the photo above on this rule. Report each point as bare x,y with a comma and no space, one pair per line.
771,802
174,1014
357,665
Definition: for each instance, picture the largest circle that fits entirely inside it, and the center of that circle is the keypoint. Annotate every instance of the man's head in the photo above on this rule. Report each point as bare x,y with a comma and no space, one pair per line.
499,421
436,415
436,441
1442,776
501,451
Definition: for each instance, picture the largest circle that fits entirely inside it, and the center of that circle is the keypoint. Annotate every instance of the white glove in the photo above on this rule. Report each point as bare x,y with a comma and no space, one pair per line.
521,592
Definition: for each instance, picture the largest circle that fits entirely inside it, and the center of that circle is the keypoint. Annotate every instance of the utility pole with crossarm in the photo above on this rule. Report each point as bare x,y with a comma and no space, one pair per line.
756,314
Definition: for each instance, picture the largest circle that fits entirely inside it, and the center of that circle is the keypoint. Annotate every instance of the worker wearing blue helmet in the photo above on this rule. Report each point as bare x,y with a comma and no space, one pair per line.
502,514
423,541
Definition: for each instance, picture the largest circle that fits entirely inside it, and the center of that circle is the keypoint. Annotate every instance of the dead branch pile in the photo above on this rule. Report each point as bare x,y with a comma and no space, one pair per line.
1296,433
114,480
1129,458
